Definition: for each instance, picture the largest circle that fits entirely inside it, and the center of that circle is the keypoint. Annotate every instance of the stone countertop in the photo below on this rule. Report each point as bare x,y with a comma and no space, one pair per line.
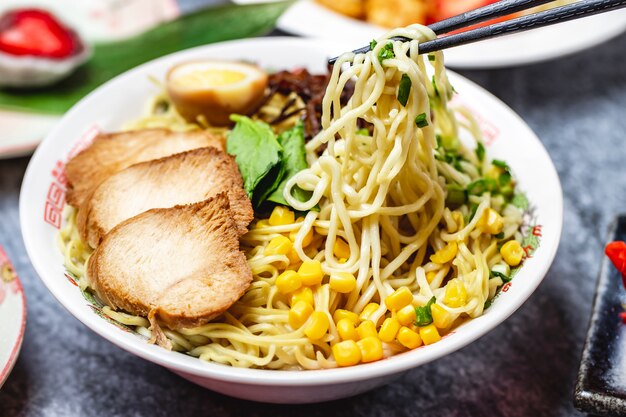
525,367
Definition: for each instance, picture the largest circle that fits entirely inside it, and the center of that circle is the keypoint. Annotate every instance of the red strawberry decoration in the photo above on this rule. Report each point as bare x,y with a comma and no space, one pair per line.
36,32
616,251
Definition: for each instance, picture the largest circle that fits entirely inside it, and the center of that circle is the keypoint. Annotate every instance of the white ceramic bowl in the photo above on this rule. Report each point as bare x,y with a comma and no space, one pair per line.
124,98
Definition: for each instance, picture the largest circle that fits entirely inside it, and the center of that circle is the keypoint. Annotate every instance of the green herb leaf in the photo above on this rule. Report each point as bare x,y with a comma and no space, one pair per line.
386,52
480,151
420,120
504,278
423,315
500,164
404,89
294,161
481,186
256,151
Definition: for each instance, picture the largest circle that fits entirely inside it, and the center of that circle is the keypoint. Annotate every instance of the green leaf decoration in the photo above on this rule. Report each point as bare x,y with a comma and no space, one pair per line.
111,59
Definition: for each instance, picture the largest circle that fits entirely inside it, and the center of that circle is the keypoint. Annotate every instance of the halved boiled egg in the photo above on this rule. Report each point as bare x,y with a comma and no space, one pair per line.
215,89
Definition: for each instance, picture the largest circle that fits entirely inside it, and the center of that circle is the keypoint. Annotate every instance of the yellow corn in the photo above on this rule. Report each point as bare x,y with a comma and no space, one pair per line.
367,328
318,325
408,338
281,216
456,294
304,294
306,240
280,245
299,313
343,260
288,281
430,276
441,317
341,249
346,330
389,329
345,314
261,223
491,222
406,315
371,349
512,252
347,353
399,298
311,272
429,334
343,282
368,311
293,257
445,254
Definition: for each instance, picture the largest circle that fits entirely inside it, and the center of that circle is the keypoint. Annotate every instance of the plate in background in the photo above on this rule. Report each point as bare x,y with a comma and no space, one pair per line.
307,18
12,316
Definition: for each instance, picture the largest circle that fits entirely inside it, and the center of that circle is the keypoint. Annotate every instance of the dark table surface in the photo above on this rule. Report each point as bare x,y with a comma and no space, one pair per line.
525,367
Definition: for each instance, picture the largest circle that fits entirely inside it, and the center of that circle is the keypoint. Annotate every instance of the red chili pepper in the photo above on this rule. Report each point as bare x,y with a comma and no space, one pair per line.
616,251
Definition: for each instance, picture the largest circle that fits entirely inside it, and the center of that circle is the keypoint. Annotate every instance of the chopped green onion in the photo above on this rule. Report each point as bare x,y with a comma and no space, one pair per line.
481,186
504,178
438,139
420,120
386,52
473,210
404,89
373,44
423,315
363,131
480,151
456,195
432,58
435,87
500,164
501,270
499,235
504,278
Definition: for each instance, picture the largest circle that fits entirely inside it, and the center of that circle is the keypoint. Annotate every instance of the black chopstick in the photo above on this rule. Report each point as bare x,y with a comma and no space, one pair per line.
557,15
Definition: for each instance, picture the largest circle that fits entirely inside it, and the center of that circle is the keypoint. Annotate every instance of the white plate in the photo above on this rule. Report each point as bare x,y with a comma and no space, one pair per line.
12,316
124,98
21,132
307,18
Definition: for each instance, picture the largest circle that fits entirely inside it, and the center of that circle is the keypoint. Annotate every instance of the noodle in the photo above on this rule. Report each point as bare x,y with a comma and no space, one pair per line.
383,193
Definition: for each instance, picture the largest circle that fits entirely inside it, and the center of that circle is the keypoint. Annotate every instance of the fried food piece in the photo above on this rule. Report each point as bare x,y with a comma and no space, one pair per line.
111,153
179,266
183,178
352,8
396,13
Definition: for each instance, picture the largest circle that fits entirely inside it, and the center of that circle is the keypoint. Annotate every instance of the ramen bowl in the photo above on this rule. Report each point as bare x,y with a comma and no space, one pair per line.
124,98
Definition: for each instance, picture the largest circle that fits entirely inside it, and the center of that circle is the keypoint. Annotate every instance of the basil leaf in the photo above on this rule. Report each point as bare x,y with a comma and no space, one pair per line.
256,151
404,89
294,161
423,315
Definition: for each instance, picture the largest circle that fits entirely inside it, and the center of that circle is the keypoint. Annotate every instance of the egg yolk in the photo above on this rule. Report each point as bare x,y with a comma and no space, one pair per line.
209,77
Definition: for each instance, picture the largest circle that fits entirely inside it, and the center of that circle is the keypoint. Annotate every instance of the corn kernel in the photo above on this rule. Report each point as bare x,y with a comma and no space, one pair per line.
311,272
299,313
318,325
346,330
280,245
371,349
491,222
281,216
368,311
261,223
367,328
345,314
512,252
408,338
399,298
304,294
456,294
389,329
347,353
343,282
341,249
288,281
445,254
293,257
441,317
429,334
406,315
306,240
430,276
